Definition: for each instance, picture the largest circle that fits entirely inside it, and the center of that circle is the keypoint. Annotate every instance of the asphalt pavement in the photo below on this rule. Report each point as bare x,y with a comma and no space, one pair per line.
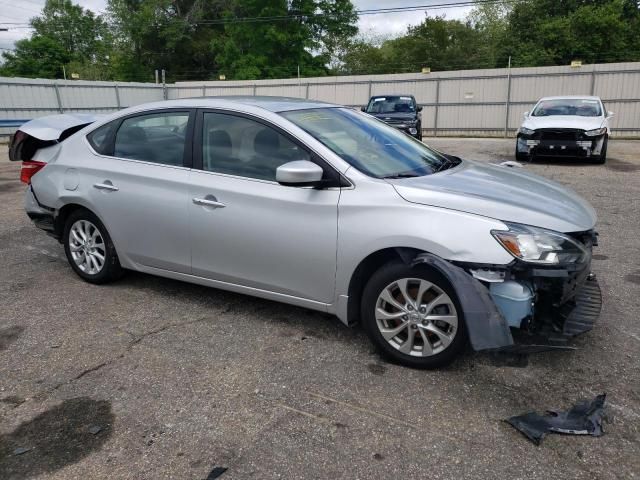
149,378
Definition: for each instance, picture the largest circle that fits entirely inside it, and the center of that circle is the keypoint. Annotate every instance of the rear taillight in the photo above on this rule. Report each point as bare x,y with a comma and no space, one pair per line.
29,169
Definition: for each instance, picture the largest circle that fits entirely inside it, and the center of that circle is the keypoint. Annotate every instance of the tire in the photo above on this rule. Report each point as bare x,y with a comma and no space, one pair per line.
85,258
602,158
376,312
521,157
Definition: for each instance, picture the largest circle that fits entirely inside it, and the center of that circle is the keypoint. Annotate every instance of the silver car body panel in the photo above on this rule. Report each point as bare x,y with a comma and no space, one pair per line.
509,194
52,126
291,244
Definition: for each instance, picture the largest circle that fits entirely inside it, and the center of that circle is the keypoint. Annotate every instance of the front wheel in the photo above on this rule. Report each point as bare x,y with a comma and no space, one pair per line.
413,316
602,158
89,248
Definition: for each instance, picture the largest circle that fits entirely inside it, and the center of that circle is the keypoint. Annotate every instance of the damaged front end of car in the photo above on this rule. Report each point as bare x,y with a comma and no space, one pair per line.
538,302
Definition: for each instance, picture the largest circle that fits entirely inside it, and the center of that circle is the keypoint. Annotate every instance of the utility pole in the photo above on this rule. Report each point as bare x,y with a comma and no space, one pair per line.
508,101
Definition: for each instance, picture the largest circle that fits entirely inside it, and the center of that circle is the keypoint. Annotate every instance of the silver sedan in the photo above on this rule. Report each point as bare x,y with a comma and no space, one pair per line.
320,206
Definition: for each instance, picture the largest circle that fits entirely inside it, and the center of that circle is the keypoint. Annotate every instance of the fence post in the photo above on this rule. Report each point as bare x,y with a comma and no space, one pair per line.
55,86
369,91
593,81
508,102
435,115
255,89
204,90
306,93
115,86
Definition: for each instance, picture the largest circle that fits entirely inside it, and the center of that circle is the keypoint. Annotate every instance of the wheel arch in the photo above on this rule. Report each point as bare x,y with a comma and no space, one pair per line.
365,269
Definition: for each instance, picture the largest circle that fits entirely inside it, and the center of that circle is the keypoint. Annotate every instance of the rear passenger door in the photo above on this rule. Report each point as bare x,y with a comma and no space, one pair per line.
138,184
246,228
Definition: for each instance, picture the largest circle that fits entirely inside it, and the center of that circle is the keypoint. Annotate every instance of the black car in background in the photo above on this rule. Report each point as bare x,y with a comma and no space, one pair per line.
399,111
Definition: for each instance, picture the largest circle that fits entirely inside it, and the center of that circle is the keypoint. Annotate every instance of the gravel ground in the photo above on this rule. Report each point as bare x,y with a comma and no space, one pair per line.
150,378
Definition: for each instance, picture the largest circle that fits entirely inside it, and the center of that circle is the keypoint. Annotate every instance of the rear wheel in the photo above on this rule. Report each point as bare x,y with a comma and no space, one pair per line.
89,248
413,316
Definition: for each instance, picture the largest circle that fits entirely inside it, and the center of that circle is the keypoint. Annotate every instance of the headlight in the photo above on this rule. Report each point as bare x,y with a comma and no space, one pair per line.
526,131
537,245
595,132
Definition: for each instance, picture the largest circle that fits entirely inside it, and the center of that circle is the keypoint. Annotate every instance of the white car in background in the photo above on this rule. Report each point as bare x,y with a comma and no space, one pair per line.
571,126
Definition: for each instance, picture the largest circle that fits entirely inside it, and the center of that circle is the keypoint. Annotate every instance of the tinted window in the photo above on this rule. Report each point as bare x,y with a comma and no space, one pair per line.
391,104
240,146
370,145
156,137
100,138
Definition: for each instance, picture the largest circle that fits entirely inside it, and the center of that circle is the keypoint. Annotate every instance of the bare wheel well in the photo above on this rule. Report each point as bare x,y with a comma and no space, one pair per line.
61,219
366,268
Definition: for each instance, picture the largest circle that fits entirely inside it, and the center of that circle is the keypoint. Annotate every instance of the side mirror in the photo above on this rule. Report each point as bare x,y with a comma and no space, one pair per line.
525,114
300,173
419,109
610,114
364,109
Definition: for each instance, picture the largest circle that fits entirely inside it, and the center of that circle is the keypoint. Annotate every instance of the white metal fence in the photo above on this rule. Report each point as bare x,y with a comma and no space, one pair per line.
471,102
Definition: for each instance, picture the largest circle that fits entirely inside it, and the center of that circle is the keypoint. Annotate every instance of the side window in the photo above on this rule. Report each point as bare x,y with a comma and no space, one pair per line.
240,146
154,137
100,138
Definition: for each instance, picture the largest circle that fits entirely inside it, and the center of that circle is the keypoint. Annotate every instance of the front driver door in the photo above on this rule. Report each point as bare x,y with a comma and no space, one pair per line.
247,229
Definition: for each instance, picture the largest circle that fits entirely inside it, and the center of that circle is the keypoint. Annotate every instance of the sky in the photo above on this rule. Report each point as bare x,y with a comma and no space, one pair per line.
379,25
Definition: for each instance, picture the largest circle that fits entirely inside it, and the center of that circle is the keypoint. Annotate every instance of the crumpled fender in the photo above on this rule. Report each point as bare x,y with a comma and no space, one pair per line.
486,327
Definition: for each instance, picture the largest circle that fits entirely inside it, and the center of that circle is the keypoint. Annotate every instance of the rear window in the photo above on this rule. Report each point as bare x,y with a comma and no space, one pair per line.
100,138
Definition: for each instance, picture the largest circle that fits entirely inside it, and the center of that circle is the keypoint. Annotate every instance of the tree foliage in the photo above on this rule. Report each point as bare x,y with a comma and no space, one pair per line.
63,33
531,32
251,39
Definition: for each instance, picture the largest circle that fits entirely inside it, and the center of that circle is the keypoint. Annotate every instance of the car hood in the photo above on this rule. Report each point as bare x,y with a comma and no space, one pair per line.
509,194
395,116
563,121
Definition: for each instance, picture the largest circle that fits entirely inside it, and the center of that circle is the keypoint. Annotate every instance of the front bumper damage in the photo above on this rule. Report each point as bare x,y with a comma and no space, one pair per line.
520,308
410,128
560,142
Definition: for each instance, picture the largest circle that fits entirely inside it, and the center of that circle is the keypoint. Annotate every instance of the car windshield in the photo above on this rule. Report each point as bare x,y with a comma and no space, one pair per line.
396,104
368,144
582,107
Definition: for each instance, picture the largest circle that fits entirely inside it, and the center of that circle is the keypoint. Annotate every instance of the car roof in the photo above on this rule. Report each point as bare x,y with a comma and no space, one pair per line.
570,97
271,104
393,95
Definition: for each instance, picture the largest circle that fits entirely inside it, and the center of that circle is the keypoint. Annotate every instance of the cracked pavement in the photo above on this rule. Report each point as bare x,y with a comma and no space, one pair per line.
149,378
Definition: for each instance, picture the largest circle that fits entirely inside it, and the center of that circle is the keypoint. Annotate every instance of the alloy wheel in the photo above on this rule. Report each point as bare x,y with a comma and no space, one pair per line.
87,247
416,317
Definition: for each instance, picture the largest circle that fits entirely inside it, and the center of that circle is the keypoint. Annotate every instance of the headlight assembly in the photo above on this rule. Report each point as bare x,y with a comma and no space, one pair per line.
595,132
537,245
526,131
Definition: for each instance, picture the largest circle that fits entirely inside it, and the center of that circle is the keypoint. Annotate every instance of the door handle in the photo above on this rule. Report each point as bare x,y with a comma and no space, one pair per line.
209,202
106,186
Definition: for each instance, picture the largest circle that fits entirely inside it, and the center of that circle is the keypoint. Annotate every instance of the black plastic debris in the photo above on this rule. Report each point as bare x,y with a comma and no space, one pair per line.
584,418
95,429
216,472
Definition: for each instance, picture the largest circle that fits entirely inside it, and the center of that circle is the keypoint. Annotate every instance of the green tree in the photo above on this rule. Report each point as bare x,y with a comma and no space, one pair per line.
194,39
62,33
437,43
554,32
36,57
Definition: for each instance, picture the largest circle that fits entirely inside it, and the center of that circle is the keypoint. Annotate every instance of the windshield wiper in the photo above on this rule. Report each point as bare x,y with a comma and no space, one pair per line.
402,175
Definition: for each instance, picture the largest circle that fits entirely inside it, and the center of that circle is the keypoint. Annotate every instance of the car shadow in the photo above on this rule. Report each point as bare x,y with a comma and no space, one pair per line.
312,323
58,437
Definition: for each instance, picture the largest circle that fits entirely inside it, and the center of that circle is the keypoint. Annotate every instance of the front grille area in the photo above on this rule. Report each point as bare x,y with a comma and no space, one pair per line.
559,134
